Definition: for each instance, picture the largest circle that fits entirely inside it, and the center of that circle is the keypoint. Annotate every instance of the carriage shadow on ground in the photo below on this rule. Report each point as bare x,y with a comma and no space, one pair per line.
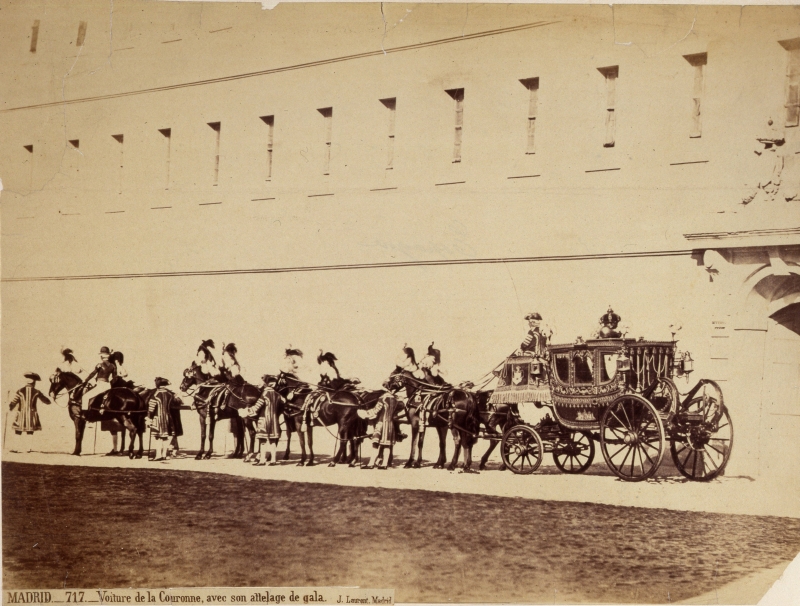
115,527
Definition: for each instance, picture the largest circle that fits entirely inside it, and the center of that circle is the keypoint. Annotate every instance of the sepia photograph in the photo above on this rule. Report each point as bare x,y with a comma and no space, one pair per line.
365,303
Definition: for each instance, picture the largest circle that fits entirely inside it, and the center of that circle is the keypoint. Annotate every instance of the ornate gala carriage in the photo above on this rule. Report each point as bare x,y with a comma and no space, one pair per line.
619,392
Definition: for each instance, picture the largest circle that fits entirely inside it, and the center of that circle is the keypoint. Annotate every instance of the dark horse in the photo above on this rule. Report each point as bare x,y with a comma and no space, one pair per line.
464,421
422,394
214,401
497,419
292,394
120,403
335,402
446,406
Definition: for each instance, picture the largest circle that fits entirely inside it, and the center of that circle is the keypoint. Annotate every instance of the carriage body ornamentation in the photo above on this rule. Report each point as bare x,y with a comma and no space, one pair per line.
587,377
522,379
620,392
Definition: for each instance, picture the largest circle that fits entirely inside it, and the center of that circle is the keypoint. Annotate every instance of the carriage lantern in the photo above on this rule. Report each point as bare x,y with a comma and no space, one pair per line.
688,363
677,363
536,367
623,362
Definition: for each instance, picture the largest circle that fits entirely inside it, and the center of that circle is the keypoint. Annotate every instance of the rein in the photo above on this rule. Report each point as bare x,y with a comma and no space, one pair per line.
68,391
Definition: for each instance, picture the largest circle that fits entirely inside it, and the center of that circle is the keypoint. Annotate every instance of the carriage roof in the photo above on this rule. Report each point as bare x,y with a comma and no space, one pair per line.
630,345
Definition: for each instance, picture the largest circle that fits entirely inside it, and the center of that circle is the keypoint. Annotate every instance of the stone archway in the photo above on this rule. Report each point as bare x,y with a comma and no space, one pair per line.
757,312
777,294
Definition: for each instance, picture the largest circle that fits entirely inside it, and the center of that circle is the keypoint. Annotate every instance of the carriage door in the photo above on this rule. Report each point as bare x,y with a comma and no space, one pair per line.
780,415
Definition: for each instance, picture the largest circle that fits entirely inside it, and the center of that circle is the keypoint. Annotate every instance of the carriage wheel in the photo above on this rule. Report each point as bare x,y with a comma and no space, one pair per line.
703,436
632,438
573,452
522,449
665,396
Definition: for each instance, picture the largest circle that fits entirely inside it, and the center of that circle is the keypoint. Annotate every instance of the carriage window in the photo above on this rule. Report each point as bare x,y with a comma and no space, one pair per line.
583,369
609,368
562,368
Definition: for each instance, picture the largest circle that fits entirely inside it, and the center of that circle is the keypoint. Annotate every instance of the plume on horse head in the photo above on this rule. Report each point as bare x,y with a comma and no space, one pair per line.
330,359
117,356
69,357
231,350
436,354
205,347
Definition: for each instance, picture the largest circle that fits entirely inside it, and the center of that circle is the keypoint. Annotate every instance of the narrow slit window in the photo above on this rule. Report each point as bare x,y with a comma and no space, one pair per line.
391,105
75,159
792,104
167,132
611,74
29,149
698,61
217,128
81,34
457,94
327,114
119,139
532,84
270,122
34,35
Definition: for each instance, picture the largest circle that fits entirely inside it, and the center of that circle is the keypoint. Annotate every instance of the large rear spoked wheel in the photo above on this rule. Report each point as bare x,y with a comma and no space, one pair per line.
522,449
573,452
632,438
702,438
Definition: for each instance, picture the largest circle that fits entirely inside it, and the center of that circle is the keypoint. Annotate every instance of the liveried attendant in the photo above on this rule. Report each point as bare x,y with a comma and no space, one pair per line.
27,420
291,370
229,365
268,429
162,424
535,342
205,359
385,434
105,372
432,364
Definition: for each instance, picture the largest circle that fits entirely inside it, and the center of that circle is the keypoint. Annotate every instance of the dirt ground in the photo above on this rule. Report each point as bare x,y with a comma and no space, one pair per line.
89,527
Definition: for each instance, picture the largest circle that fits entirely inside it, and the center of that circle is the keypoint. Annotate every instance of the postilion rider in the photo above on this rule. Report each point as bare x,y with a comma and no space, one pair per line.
105,372
433,396
25,399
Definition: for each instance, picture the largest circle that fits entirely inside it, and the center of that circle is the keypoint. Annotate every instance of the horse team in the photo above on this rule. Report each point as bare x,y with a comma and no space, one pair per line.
413,394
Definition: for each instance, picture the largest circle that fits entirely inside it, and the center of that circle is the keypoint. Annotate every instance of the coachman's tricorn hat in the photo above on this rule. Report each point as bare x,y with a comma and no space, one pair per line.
294,352
161,382
533,316
231,349
32,376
